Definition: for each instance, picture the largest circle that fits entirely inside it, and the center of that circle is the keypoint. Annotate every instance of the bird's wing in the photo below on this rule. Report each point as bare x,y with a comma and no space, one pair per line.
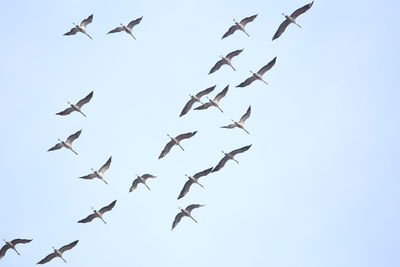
221,94
217,66
118,29
72,137
281,29
220,164
20,241
185,135
234,54
185,189
231,30
57,146
267,67
84,100
247,82
193,206
135,184
88,218
105,166
229,126
301,10
69,246
246,115
187,107
89,176
73,31
134,22
205,91
177,219
203,173
166,149
204,106
248,19
48,258
3,250
65,111
108,207
147,176
86,21
239,150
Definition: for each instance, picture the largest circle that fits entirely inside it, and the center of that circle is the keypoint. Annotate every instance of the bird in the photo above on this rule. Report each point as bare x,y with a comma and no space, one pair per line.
291,19
239,26
81,27
141,179
77,107
239,124
68,143
185,212
196,98
214,102
100,173
258,75
230,156
11,245
225,60
58,253
193,180
128,28
99,213
175,141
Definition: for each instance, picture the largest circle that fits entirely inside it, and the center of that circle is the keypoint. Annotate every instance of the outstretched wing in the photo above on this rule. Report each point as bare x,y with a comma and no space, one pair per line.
230,126
185,189
187,107
65,111
57,146
134,22
231,30
217,66
73,31
177,219
105,166
3,250
193,206
88,218
301,10
166,149
203,173
84,100
118,29
205,91
246,115
108,207
69,246
147,176
48,258
247,82
220,164
20,241
233,54
135,184
239,150
267,67
281,29
185,135
221,94
74,136
86,21
204,106
248,19
89,176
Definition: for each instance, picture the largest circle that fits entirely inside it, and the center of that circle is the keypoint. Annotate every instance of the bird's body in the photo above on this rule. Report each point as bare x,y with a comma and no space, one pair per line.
67,144
100,173
214,102
230,156
58,253
81,27
11,245
77,107
258,75
127,28
185,212
98,213
193,180
240,123
225,61
175,141
141,179
239,26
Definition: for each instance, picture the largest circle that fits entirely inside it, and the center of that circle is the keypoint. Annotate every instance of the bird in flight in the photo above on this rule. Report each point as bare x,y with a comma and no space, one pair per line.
230,156
193,180
141,179
77,107
258,75
81,27
185,212
239,26
196,98
239,124
225,60
214,102
68,143
12,245
128,28
175,141
100,173
99,213
58,253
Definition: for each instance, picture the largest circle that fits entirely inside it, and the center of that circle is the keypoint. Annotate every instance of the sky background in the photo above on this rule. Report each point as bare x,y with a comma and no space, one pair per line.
319,186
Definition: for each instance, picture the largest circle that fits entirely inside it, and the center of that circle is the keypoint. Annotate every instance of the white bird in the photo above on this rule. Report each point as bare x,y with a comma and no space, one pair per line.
230,156
258,75
77,107
128,28
175,141
240,124
11,245
291,19
193,180
81,28
141,179
214,102
100,173
185,212
194,99
239,26
99,213
68,143
58,253
225,60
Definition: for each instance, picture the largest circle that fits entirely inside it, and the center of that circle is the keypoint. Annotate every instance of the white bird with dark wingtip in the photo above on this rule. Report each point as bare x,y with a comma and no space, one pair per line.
11,245
291,19
81,27
230,156
100,173
239,124
193,180
128,28
214,102
141,179
99,213
185,212
239,26
196,98
225,60
58,253
77,107
258,75
68,143
175,141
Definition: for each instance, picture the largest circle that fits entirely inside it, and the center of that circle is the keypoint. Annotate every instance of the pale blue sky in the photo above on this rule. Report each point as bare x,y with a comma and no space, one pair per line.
319,187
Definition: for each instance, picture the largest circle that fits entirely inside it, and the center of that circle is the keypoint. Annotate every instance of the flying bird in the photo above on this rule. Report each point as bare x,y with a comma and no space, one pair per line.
196,98
11,245
240,124
99,213
193,180
239,26
175,141
141,179
81,28
58,253
77,107
225,60
185,212
230,156
258,75
291,19
100,173
214,102
68,143
128,28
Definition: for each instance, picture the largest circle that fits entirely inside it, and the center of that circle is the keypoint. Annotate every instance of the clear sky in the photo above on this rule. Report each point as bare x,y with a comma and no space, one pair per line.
319,187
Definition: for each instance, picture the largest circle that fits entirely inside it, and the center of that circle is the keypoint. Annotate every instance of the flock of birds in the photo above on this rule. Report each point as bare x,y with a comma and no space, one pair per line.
192,179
